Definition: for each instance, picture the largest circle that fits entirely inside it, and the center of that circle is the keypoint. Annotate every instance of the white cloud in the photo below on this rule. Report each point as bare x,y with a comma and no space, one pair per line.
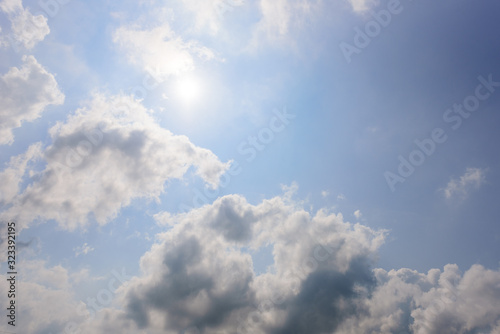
83,249
405,301
11,177
358,214
83,276
325,193
361,6
164,219
274,23
340,197
45,302
456,303
27,29
281,19
210,13
55,277
24,93
276,16
472,179
114,150
159,50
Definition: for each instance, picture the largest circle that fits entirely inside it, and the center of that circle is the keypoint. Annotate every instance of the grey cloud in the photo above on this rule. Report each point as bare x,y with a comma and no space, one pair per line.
326,298
198,278
199,275
187,277
232,220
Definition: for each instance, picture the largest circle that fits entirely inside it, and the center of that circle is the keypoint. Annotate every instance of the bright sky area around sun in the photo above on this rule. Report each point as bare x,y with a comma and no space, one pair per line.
236,166
189,89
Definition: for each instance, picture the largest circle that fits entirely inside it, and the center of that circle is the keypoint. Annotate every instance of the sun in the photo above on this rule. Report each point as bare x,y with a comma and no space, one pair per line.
188,89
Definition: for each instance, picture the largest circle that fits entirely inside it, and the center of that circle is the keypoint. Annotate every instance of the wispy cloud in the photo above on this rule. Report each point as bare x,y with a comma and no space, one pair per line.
159,50
361,6
279,21
209,14
461,187
83,249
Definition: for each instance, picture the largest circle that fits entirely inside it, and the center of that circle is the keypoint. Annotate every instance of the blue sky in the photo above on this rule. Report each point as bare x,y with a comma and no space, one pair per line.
204,141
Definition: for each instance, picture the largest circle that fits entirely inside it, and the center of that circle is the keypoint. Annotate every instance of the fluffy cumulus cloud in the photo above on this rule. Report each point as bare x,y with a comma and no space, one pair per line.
446,301
159,50
103,156
198,278
26,29
45,302
459,304
24,93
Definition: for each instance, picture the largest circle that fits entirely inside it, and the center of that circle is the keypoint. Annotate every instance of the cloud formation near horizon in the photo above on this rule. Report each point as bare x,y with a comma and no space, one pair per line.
198,278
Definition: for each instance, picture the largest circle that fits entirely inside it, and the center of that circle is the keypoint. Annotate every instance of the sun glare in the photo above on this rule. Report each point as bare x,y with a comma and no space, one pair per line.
188,89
